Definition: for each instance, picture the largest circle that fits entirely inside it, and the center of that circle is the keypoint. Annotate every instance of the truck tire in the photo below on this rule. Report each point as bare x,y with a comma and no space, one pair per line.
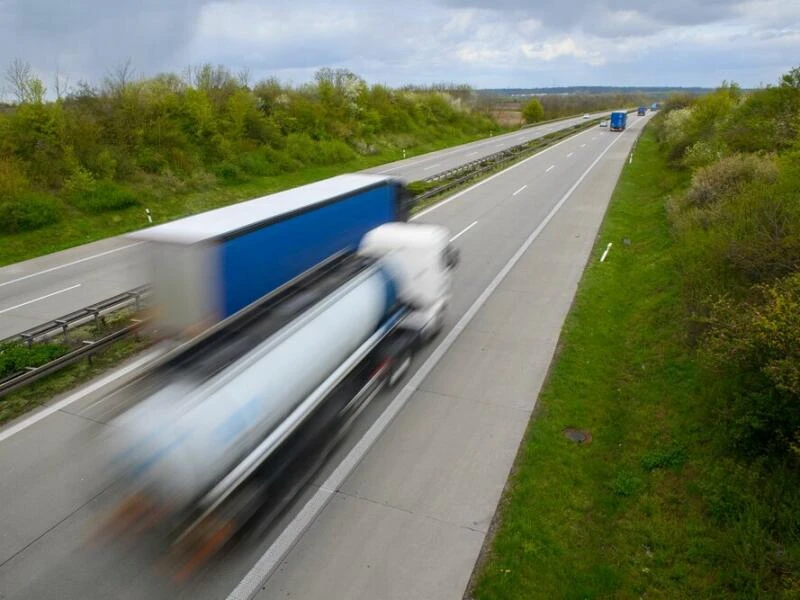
399,366
436,326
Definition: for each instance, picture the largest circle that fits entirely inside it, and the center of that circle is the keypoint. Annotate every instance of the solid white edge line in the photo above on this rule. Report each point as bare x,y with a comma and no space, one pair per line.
80,394
261,571
488,179
463,231
69,264
72,287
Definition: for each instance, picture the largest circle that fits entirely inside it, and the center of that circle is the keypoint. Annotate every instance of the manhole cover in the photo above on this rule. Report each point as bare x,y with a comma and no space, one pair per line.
578,435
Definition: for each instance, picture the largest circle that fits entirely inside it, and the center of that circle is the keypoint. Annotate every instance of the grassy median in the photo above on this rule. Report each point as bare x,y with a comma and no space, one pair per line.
651,506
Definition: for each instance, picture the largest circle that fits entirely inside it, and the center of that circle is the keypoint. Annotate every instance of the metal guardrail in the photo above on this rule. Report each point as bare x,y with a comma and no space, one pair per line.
31,374
93,312
63,325
493,161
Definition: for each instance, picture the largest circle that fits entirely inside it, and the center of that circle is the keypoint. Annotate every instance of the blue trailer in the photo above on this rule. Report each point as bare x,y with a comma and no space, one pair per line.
210,266
619,120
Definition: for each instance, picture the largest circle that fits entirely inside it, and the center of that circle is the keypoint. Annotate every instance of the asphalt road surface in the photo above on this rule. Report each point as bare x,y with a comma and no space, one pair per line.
401,509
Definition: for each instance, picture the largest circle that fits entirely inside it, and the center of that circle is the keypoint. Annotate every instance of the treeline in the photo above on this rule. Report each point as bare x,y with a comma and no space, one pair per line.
555,106
572,104
656,91
109,146
739,229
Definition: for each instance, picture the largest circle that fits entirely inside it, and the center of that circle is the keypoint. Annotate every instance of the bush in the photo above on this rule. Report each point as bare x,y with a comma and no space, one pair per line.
533,112
28,211
79,182
756,348
229,172
703,153
13,182
332,152
324,152
14,356
105,196
728,176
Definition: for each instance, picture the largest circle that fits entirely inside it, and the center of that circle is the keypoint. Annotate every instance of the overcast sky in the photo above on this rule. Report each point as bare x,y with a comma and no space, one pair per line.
487,44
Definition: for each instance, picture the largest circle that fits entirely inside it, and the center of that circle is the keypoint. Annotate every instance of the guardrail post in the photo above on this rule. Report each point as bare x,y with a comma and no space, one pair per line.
88,356
64,326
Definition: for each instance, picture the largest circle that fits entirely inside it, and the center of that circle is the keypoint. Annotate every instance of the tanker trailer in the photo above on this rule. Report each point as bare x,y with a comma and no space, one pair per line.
201,433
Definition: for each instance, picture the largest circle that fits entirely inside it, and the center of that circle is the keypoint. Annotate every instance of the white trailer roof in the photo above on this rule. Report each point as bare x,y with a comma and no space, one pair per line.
228,219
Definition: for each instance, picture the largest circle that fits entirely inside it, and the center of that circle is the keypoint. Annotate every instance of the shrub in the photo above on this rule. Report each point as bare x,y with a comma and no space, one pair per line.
105,196
13,182
15,356
106,164
331,152
728,176
703,153
302,148
756,348
28,211
533,112
79,182
229,172
675,132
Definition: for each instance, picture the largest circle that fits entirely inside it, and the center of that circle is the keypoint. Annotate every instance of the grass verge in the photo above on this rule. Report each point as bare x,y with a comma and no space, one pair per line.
652,507
81,228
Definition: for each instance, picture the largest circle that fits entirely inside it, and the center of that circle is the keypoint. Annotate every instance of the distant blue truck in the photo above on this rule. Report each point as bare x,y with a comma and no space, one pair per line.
642,111
209,266
619,120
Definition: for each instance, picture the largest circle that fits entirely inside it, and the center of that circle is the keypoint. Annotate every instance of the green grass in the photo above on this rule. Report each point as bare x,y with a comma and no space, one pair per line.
652,507
79,227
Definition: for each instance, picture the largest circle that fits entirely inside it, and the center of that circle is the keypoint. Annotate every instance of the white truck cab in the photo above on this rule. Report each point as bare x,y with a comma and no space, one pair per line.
421,260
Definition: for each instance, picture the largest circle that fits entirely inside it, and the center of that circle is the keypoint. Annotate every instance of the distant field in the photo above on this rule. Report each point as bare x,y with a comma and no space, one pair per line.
508,114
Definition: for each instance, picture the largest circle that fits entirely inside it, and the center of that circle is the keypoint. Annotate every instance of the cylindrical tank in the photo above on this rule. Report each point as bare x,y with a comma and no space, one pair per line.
183,439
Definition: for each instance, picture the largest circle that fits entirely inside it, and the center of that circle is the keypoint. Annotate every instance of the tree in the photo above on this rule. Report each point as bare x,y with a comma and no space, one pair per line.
533,111
791,79
19,76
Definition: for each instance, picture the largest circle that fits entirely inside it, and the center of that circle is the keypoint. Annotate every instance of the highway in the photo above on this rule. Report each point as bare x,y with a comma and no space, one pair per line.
52,286
401,509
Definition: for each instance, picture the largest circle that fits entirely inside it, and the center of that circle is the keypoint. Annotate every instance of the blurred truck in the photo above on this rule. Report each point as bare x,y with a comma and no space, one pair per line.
302,308
641,111
619,120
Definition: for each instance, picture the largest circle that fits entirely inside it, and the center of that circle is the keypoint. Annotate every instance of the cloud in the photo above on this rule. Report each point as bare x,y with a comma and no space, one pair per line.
502,43
88,37
564,47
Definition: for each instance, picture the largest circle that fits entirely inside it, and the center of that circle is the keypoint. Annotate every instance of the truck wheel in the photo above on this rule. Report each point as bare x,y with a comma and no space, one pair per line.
400,365
436,326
